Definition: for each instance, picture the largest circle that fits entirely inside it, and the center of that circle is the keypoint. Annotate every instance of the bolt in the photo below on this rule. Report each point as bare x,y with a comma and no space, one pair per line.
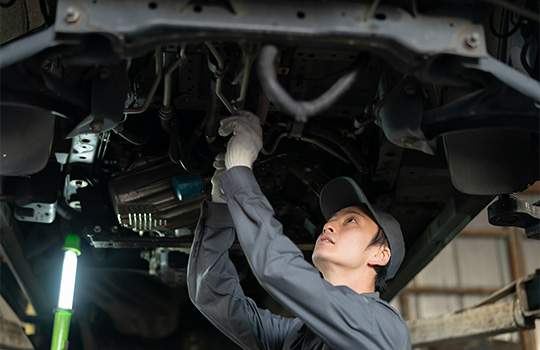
78,183
46,64
97,229
114,229
72,15
472,40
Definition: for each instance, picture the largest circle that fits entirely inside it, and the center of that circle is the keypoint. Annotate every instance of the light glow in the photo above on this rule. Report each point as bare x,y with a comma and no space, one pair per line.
67,286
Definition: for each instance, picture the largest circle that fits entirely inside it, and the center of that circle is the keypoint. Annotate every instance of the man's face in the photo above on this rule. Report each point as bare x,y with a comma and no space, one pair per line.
344,240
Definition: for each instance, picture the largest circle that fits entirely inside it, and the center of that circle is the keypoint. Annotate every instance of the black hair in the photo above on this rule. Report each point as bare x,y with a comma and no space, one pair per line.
380,240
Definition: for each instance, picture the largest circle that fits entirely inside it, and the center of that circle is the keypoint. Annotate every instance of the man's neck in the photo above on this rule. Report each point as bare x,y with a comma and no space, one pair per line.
359,281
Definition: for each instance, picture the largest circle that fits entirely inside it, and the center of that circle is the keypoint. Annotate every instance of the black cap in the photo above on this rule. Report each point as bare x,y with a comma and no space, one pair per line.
343,192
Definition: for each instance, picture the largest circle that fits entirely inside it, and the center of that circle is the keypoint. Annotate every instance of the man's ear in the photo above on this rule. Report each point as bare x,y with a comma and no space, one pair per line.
380,256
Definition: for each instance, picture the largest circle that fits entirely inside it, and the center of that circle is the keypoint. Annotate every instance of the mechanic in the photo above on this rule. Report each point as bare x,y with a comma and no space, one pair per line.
359,247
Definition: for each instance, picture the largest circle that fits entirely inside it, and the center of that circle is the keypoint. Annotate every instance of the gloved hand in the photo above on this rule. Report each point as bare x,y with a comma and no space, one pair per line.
246,142
219,165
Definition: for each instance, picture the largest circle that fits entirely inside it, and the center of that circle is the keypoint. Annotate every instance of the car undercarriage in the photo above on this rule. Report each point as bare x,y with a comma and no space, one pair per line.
109,128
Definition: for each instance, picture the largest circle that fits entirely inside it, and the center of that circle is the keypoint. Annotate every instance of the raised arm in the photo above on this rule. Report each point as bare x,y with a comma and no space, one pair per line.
214,286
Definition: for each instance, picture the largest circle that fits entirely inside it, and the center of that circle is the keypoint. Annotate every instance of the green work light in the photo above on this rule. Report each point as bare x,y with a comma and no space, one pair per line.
62,315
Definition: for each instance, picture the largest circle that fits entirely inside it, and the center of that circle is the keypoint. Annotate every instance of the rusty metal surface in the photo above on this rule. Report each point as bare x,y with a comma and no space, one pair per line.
483,321
13,337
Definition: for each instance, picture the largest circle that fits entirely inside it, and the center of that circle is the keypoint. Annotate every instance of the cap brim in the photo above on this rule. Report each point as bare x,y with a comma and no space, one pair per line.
340,193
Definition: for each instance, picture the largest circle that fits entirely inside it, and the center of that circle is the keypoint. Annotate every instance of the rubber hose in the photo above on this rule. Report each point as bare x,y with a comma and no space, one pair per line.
301,110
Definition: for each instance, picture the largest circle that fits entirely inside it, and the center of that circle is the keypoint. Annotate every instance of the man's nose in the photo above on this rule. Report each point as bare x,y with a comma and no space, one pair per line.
329,227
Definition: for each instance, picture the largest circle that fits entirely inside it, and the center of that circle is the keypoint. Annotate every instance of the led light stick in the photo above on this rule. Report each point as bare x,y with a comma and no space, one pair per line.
62,315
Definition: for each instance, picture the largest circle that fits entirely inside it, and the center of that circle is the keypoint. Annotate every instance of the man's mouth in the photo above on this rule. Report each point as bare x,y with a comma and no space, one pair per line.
325,239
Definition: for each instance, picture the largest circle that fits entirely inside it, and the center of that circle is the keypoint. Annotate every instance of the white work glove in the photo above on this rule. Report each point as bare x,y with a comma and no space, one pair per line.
219,165
246,142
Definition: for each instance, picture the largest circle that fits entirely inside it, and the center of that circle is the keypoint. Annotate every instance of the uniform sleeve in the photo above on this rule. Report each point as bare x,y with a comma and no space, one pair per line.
342,318
214,287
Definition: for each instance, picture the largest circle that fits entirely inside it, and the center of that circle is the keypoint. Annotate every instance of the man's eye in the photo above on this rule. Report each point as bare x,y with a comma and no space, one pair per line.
351,220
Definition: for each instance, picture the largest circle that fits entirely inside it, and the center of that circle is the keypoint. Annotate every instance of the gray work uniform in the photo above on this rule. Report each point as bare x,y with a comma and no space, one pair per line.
327,316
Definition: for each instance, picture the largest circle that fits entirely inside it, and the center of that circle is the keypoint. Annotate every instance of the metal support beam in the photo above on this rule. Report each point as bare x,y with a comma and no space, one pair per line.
13,337
480,322
459,211
337,22
390,32
484,319
11,251
137,242
484,234
448,290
